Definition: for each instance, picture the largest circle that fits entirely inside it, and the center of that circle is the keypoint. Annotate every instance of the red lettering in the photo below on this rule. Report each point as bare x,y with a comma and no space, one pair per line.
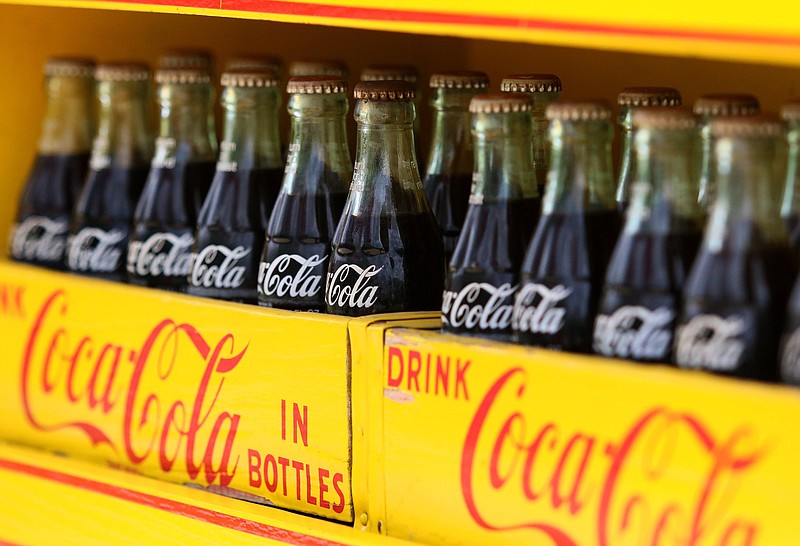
270,469
310,499
461,378
337,487
300,424
530,461
392,380
414,367
284,462
298,468
254,466
442,374
323,488
572,497
283,419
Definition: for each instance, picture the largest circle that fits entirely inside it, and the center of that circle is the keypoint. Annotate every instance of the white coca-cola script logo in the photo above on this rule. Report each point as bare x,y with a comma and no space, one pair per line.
277,278
95,250
710,342
39,238
464,309
349,286
162,254
633,331
207,273
536,311
790,358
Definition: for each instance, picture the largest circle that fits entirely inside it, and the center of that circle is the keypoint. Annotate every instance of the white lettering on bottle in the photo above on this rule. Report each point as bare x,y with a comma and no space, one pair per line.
536,309
633,331
463,309
344,291
790,358
710,342
207,273
162,254
95,250
39,238
276,278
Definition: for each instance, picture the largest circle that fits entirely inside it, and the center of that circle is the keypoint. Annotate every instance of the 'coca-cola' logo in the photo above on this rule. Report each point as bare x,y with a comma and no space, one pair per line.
633,331
479,306
217,266
349,286
96,250
292,275
537,309
161,255
39,238
710,342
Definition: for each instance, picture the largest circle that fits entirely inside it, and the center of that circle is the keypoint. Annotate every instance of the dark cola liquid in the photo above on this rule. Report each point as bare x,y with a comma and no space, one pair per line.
793,227
384,264
160,250
42,225
230,234
484,271
102,222
642,296
733,308
562,278
449,198
294,264
789,355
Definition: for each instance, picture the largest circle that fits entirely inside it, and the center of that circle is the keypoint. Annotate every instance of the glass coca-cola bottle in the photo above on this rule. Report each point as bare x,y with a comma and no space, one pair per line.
160,249
734,298
101,221
504,207
294,264
628,100
448,178
707,108
790,205
387,251
565,264
543,89
39,235
232,223
642,294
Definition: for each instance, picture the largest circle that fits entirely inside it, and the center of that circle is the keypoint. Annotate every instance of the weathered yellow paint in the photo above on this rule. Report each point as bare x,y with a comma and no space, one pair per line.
535,447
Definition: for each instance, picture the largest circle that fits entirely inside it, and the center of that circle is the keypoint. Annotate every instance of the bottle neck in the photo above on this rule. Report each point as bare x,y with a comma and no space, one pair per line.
626,167
251,135
183,125
790,207
451,146
503,159
318,152
67,128
745,211
663,199
541,150
122,134
579,176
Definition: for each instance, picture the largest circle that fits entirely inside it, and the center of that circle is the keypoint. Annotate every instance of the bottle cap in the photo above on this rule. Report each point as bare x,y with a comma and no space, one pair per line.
649,96
255,62
380,73
70,67
249,78
316,85
501,103
459,79
186,76
395,90
726,104
123,72
791,110
590,110
531,83
318,68
757,125
186,58
654,117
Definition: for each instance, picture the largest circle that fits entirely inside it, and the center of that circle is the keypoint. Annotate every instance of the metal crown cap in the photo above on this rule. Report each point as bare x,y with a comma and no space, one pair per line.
590,110
501,103
318,68
316,85
69,67
379,73
459,79
649,96
249,78
182,76
531,83
255,62
656,117
791,110
753,126
123,72
726,104
186,58
395,90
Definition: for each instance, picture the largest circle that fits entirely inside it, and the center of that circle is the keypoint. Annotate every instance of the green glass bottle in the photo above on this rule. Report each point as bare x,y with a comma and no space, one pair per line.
790,204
